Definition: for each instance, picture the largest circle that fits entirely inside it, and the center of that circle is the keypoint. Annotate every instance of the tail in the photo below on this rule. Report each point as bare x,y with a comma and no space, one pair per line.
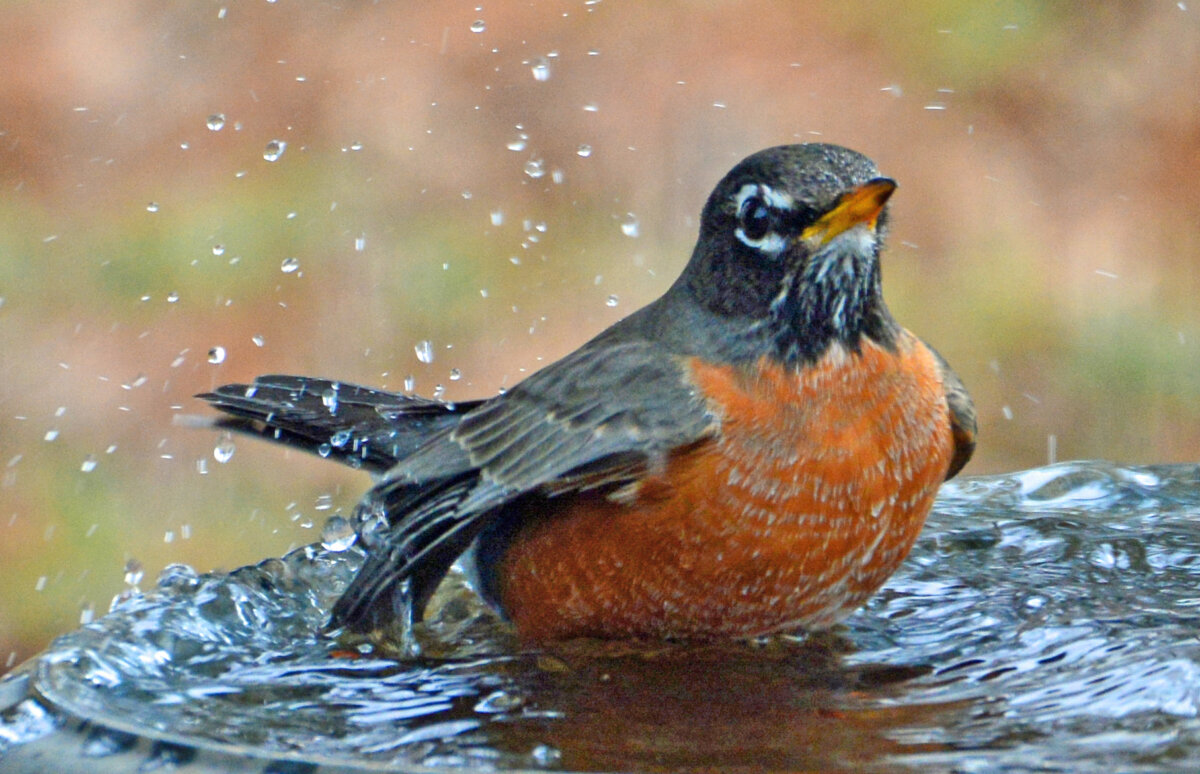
357,426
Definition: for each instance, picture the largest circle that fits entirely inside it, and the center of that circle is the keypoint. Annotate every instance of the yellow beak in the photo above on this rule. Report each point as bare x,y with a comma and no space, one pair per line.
861,205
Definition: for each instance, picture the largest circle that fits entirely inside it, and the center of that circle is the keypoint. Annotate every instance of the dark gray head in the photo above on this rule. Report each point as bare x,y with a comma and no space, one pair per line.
789,243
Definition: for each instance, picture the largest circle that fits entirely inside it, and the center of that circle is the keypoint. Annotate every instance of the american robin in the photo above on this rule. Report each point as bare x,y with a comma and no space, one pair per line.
754,451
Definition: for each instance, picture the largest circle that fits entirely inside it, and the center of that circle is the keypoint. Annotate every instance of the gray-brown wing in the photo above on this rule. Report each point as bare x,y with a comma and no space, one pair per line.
598,417
962,416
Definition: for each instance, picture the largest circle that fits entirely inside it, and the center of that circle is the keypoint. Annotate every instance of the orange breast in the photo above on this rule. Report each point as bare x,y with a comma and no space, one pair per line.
810,496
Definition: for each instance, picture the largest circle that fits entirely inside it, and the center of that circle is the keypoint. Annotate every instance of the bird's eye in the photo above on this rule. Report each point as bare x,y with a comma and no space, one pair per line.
754,218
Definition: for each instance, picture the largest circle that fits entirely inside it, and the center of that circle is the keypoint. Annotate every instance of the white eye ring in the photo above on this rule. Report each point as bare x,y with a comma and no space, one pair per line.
771,243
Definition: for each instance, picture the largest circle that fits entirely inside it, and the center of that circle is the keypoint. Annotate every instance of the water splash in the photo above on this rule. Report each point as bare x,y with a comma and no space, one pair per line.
1045,620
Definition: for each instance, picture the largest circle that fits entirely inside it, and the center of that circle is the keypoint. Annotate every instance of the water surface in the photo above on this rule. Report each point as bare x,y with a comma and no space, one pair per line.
1046,620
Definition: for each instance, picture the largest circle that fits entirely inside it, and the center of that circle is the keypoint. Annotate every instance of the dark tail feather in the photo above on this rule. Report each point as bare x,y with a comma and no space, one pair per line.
357,426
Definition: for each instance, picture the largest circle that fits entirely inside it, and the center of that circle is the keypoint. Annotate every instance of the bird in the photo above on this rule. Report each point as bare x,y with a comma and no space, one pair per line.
754,452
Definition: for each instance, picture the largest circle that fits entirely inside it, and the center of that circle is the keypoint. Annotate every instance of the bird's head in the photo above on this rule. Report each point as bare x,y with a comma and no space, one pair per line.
789,242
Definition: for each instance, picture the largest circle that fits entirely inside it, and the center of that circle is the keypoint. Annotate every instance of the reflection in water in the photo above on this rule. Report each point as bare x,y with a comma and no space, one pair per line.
1046,618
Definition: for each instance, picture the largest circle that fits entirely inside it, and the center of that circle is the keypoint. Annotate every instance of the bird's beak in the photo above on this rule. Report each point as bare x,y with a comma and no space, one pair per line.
859,206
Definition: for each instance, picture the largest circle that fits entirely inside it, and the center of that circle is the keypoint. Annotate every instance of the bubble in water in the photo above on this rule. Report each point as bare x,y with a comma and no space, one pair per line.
51,435
630,226
337,534
535,168
583,151
218,249
152,207
410,383
274,150
216,122
223,451
360,243
541,68
424,350
289,265
455,374
172,297
216,355
497,217
612,300
89,463
258,340
591,107
478,25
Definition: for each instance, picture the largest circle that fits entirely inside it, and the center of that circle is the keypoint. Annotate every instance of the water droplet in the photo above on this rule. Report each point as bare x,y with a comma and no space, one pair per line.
356,146
410,383
544,755
541,68
591,107
519,143
134,572
289,265
499,701
152,207
337,534
438,391
424,351
89,463
341,438
86,616
274,150
630,226
51,435
329,398
216,355
218,249
216,122
178,576
583,151
172,297
497,217
478,25
258,340
223,451
612,300
360,243
535,168
455,374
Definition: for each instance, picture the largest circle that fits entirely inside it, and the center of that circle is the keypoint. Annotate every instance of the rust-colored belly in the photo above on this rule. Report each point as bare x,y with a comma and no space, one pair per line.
807,500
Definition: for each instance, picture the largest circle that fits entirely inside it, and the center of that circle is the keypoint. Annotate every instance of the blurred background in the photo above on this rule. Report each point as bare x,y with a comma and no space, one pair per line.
197,193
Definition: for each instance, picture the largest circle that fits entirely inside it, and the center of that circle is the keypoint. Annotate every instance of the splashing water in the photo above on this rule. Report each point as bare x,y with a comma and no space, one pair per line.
1045,620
